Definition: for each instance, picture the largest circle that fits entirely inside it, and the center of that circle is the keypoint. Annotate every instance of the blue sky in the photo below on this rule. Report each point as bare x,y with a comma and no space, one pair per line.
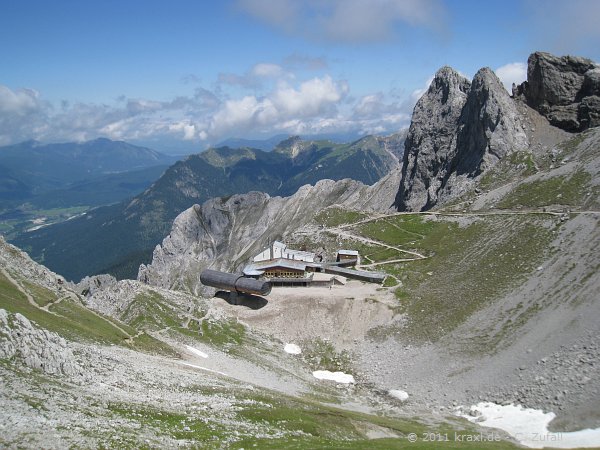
186,74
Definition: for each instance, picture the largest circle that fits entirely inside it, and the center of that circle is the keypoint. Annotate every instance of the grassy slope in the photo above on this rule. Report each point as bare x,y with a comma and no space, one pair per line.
71,319
467,267
474,260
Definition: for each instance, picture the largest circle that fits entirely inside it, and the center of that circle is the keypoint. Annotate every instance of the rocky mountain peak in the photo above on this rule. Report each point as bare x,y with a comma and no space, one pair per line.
291,146
446,83
458,130
490,126
564,89
430,142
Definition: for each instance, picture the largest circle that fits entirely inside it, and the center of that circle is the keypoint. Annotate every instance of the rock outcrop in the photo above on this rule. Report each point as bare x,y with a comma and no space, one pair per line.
431,141
96,283
22,341
224,233
458,130
566,90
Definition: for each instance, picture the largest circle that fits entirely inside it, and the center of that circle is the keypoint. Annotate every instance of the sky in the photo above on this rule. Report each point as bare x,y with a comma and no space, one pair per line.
182,75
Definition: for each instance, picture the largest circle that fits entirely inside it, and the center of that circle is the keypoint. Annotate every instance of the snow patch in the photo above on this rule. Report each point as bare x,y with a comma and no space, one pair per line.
196,351
204,368
292,349
529,426
338,377
399,394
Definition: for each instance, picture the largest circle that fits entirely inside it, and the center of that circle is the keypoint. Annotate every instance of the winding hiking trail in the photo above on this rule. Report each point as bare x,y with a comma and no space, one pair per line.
341,233
342,230
22,290
46,308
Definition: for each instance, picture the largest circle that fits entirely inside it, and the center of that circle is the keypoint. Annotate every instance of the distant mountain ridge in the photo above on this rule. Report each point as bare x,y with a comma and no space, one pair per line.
118,238
262,144
32,168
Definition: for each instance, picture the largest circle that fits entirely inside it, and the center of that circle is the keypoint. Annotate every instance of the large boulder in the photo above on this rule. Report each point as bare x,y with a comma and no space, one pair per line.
559,88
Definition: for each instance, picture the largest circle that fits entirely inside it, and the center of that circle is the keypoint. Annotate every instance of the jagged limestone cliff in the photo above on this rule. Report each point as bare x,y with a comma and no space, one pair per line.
458,130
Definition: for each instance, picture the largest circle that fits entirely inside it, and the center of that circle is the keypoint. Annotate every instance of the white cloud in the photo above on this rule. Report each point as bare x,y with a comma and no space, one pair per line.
370,105
512,73
267,70
347,20
188,129
310,106
21,102
312,98
22,113
374,115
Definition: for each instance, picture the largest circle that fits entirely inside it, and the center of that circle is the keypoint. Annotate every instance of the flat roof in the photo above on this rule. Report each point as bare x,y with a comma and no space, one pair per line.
348,252
280,262
356,274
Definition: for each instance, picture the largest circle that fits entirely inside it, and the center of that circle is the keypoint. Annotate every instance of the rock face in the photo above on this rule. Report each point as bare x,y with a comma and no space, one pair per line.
224,233
431,141
39,349
458,130
566,90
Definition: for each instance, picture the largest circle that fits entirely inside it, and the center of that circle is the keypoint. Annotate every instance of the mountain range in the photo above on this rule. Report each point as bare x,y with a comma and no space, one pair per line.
117,239
41,184
35,168
484,334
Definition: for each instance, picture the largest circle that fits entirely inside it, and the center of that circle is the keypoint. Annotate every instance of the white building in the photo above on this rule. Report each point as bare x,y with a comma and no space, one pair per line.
280,251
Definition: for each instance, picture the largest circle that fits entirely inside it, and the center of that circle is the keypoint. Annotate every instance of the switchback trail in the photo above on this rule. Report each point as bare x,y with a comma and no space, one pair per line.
341,230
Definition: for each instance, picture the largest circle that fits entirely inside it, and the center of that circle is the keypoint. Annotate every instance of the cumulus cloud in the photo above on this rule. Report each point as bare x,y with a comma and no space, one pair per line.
22,112
20,102
374,115
311,98
512,73
286,105
347,20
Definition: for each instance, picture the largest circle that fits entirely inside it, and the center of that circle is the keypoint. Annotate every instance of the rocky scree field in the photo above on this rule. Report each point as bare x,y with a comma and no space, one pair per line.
188,375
